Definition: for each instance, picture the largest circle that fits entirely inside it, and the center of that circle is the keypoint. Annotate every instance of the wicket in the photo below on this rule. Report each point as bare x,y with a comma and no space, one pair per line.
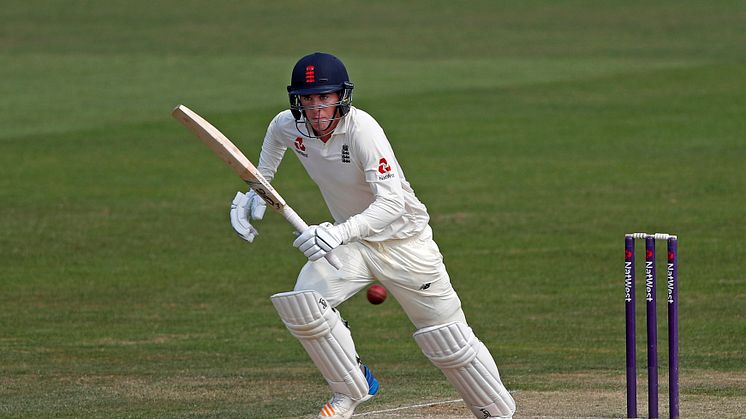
652,323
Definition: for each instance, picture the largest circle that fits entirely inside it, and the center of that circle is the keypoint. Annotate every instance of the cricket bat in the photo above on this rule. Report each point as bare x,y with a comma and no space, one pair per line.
231,155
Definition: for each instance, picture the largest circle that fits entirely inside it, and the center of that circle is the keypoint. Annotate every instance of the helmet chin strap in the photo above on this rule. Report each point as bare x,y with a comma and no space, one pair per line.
311,132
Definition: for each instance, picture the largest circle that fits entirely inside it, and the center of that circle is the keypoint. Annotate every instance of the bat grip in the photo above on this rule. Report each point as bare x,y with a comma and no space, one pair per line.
333,260
300,226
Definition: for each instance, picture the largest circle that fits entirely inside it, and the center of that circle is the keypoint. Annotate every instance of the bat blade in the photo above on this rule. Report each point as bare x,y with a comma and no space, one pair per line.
231,155
216,141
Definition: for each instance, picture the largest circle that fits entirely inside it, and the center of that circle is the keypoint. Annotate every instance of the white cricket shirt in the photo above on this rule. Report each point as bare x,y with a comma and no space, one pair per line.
357,173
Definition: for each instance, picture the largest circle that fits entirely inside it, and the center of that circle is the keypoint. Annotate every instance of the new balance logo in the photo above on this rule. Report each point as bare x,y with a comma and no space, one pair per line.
425,286
345,153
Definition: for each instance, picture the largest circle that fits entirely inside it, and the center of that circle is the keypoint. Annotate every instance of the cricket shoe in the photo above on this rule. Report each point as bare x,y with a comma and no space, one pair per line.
342,406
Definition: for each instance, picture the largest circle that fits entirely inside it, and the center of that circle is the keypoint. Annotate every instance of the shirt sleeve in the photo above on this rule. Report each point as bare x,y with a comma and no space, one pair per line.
383,175
272,151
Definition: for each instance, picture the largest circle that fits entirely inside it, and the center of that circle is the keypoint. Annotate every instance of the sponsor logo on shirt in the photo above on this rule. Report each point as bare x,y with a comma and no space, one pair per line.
345,153
385,170
300,148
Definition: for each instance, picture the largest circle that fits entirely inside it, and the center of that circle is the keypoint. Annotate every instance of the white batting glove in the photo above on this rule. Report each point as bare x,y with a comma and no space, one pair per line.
318,240
244,208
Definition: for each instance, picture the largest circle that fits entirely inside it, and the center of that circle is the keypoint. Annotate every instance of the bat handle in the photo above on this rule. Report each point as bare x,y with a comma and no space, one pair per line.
333,260
300,226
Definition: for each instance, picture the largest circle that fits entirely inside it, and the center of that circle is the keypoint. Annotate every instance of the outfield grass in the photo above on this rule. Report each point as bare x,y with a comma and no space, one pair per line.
537,133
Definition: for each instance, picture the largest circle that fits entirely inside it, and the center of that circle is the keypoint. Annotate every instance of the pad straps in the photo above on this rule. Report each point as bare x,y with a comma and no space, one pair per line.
468,365
322,332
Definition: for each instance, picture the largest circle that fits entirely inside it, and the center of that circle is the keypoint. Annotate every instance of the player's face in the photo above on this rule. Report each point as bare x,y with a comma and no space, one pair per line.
320,111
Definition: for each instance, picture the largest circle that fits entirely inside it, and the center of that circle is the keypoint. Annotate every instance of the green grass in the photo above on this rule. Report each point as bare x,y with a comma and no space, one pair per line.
537,133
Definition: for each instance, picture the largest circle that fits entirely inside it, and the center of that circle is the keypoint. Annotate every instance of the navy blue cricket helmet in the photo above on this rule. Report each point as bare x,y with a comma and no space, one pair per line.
319,73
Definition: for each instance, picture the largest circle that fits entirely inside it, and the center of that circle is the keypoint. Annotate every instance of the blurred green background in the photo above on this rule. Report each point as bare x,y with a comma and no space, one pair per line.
536,132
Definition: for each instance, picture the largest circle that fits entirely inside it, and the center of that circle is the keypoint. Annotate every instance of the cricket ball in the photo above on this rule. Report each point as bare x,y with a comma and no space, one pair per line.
376,294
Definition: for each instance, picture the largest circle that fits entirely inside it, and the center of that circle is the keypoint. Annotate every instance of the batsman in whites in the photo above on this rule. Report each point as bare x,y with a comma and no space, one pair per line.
379,229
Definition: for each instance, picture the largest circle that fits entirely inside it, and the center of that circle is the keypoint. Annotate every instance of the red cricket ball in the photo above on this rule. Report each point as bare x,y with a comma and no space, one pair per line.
377,294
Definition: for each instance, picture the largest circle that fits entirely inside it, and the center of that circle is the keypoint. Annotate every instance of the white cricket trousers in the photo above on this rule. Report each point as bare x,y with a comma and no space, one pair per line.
412,270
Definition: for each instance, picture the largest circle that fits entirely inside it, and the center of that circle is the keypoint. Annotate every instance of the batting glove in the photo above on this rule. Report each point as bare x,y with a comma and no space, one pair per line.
244,208
316,241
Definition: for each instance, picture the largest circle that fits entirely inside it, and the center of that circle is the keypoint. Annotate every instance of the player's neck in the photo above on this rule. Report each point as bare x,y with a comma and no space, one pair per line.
328,132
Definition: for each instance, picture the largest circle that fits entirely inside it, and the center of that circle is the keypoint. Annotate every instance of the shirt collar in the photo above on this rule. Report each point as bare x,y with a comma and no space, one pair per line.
343,123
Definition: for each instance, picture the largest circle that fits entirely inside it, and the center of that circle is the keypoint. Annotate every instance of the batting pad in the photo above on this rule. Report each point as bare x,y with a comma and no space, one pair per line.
321,331
469,367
